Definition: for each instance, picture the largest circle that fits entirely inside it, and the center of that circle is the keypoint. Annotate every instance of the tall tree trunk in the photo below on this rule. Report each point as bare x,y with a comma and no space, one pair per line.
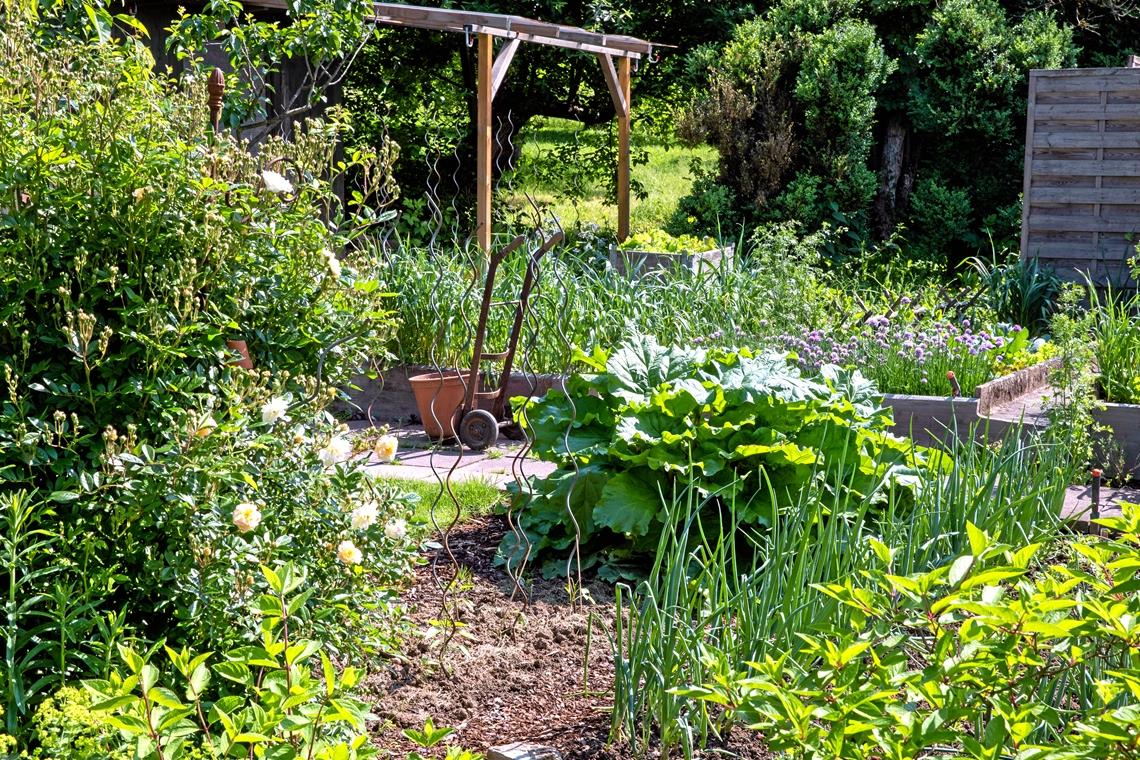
892,192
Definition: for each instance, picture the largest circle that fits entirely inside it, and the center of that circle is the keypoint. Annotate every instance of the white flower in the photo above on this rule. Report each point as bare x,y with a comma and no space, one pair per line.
333,262
386,448
274,409
396,529
275,183
364,515
299,435
348,553
247,517
336,450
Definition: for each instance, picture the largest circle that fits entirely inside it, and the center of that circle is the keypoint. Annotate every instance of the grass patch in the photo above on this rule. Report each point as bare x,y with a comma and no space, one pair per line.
476,497
666,178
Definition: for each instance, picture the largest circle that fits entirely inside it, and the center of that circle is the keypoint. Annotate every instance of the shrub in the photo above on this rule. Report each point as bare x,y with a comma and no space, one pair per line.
277,699
133,244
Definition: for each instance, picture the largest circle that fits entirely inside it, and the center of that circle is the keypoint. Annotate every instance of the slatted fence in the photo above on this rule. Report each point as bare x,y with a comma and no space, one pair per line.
1081,210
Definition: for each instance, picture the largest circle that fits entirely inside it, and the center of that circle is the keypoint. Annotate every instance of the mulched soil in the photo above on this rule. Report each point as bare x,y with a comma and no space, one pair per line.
513,672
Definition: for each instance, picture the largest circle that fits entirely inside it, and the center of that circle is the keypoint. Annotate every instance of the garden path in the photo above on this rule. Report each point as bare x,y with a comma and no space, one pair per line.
1077,509
419,458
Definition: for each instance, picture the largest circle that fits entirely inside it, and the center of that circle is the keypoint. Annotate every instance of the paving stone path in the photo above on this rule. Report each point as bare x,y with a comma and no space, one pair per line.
420,458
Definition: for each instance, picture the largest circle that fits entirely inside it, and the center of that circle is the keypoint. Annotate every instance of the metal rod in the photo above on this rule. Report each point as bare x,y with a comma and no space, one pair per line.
1096,477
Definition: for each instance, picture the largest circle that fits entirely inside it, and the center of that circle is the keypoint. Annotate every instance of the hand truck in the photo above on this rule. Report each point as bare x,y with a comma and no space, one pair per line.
478,428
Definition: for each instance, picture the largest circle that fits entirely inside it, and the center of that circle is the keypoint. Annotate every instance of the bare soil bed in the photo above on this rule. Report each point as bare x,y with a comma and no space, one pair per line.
513,672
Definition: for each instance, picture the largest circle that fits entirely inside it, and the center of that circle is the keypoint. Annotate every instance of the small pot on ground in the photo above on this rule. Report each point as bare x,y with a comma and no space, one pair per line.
439,398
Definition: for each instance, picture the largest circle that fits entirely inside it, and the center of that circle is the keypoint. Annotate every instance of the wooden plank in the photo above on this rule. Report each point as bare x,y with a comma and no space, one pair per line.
1066,111
483,144
1088,168
1081,224
623,167
1087,140
621,105
1113,79
1027,176
554,42
1074,73
502,63
1107,195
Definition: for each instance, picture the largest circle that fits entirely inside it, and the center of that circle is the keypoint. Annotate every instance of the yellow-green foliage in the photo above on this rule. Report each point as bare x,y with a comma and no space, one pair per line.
65,728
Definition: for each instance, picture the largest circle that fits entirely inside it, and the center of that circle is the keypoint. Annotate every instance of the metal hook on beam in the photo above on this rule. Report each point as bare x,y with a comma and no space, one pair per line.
468,34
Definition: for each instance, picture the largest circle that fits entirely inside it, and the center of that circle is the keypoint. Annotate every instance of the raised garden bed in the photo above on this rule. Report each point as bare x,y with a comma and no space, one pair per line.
999,405
636,263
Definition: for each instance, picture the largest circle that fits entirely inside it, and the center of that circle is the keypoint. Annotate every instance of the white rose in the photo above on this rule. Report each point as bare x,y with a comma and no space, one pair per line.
247,517
396,529
274,409
348,553
365,515
275,183
336,450
386,448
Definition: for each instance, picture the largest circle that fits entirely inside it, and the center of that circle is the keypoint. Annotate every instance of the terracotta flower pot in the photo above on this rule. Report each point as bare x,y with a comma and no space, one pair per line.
439,397
241,349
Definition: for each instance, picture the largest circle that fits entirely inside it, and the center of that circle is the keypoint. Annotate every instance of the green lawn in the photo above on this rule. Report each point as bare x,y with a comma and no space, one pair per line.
475,497
666,178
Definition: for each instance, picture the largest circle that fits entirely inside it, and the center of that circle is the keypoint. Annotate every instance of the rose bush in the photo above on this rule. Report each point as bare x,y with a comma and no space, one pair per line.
148,477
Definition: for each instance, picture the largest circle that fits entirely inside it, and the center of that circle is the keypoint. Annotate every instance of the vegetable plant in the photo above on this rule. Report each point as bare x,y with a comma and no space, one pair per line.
747,427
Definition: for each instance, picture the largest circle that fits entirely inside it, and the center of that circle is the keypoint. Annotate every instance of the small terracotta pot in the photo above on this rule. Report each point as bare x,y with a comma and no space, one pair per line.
439,397
239,347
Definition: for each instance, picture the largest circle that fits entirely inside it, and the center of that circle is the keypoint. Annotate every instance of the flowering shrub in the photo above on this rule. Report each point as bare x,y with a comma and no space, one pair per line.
133,245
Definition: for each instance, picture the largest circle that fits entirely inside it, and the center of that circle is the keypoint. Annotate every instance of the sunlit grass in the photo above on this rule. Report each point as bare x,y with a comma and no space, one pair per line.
666,178
476,497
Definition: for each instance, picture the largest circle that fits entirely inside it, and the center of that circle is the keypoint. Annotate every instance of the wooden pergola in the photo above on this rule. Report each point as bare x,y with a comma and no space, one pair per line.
513,31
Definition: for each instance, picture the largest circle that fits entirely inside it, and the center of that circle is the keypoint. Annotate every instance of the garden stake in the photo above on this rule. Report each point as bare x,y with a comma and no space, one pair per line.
1096,476
216,89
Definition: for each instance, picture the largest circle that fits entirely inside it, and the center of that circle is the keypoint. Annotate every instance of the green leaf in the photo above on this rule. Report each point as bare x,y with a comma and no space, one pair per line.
628,504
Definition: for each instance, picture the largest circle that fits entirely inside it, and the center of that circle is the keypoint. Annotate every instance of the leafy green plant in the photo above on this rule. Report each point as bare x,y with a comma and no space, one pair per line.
1072,378
659,241
26,548
722,593
277,706
1117,335
1024,292
746,427
990,655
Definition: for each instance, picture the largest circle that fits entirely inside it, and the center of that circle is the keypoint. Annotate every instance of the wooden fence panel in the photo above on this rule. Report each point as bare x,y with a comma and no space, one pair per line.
1081,203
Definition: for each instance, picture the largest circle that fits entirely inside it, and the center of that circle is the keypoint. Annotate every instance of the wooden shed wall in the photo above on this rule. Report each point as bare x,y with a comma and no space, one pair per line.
1081,207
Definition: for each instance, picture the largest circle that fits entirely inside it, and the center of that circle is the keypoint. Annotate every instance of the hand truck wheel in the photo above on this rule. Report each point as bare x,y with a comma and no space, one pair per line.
478,429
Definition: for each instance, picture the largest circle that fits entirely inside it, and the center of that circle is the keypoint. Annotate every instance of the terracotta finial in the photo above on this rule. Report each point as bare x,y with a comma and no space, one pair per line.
216,87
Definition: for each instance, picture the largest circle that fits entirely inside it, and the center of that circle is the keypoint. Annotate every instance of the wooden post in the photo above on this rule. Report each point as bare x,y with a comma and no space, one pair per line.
483,145
623,151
